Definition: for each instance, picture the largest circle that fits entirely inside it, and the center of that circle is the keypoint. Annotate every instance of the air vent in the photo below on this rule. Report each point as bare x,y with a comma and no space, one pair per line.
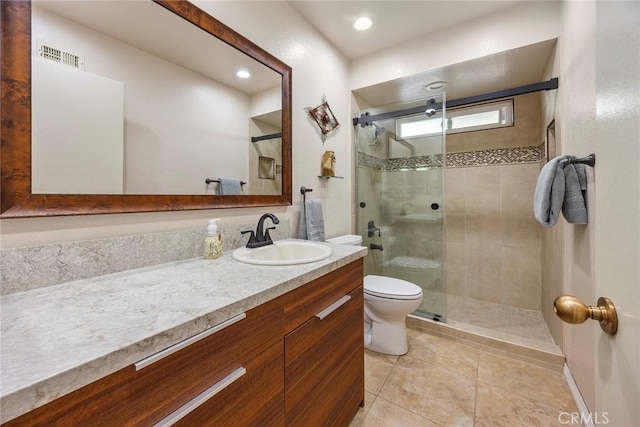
58,55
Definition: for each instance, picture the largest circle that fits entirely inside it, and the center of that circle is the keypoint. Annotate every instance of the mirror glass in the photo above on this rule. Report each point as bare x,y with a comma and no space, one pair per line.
130,99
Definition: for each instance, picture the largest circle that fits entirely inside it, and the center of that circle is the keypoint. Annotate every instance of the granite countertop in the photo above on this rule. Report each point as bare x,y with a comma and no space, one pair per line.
60,338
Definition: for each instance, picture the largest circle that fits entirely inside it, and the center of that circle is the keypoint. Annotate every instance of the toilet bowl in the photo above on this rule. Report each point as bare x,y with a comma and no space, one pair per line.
387,301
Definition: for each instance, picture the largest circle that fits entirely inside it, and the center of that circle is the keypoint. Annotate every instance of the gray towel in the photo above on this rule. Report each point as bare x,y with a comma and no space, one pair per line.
228,186
549,194
311,223
560,188
573,206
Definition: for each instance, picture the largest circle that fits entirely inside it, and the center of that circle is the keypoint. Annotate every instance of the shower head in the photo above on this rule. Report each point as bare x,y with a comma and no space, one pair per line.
378,130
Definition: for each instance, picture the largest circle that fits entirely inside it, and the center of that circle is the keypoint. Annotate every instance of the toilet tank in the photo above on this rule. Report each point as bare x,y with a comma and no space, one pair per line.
347,239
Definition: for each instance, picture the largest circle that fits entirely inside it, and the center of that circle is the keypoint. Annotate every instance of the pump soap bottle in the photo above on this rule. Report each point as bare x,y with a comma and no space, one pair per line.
213,242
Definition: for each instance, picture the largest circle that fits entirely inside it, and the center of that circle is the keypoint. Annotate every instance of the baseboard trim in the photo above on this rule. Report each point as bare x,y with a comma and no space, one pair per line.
585,415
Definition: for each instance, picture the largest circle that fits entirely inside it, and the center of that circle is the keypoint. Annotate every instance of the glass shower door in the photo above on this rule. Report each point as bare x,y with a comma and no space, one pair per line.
400,196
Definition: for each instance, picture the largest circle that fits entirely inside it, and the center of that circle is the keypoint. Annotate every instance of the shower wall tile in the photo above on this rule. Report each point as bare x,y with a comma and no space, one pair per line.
483,281
484,229
483,199
521,231
497,232
521,277
482,176
456,228
456,280
479,252
455,181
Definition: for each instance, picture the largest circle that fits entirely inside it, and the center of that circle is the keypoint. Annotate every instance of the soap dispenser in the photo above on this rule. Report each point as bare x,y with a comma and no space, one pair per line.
213,242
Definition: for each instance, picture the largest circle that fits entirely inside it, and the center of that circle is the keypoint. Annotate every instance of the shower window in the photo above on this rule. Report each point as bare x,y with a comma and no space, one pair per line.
464,119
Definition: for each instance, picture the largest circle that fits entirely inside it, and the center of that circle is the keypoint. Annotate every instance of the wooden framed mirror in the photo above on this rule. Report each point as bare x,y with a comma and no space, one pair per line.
20,162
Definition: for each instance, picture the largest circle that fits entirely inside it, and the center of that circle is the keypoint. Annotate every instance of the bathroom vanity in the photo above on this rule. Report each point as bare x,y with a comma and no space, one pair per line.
197,342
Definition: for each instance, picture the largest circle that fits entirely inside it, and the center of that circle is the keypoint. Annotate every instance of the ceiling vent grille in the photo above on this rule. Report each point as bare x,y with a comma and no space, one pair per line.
54,54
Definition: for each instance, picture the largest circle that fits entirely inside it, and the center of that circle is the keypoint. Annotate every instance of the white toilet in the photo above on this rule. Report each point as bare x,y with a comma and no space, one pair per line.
387,301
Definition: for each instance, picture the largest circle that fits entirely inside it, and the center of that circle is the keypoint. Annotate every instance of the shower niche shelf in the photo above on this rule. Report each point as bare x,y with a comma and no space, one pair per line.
329,176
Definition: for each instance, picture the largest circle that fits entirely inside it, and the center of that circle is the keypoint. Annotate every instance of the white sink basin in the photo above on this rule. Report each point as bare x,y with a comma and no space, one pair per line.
283,252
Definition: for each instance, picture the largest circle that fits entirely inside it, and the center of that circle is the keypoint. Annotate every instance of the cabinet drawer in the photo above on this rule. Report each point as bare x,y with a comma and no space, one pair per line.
303,303
131,397
254,399
324,367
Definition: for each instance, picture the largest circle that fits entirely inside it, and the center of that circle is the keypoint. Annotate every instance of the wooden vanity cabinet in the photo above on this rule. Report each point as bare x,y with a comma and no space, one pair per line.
295,360
324,350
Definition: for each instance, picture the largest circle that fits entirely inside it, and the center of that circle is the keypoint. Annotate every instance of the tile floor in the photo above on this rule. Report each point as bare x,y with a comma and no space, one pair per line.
441,382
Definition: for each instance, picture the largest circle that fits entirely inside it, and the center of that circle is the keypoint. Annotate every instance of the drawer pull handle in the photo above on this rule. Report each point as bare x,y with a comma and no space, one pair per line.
197,401
141,364
333,307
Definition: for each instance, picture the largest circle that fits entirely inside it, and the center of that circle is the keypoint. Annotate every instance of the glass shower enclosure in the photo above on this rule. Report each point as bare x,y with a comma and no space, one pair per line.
400,195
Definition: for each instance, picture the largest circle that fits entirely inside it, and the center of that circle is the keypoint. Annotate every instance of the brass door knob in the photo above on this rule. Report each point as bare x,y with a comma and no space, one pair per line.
571,310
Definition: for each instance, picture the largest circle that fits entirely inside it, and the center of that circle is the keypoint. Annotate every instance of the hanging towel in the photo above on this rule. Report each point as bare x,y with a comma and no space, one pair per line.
573,206
228,186
549,194
311,223
561,188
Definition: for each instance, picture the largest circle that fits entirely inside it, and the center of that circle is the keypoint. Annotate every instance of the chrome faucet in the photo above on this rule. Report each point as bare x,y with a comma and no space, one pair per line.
261,237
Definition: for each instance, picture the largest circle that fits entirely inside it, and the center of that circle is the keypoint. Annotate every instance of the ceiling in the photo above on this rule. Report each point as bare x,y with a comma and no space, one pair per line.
397,22
394,22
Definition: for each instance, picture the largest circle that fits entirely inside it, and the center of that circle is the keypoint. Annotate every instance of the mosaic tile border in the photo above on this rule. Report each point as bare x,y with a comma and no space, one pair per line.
498,156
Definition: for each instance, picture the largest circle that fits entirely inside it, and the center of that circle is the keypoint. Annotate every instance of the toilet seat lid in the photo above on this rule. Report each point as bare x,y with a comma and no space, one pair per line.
390,287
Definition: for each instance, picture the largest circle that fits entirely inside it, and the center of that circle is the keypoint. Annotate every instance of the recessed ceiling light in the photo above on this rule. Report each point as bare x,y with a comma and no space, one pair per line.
436,85
243,74
362,23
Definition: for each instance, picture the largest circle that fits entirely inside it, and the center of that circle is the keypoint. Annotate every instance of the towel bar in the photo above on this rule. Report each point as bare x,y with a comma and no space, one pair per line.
590,160
209,181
